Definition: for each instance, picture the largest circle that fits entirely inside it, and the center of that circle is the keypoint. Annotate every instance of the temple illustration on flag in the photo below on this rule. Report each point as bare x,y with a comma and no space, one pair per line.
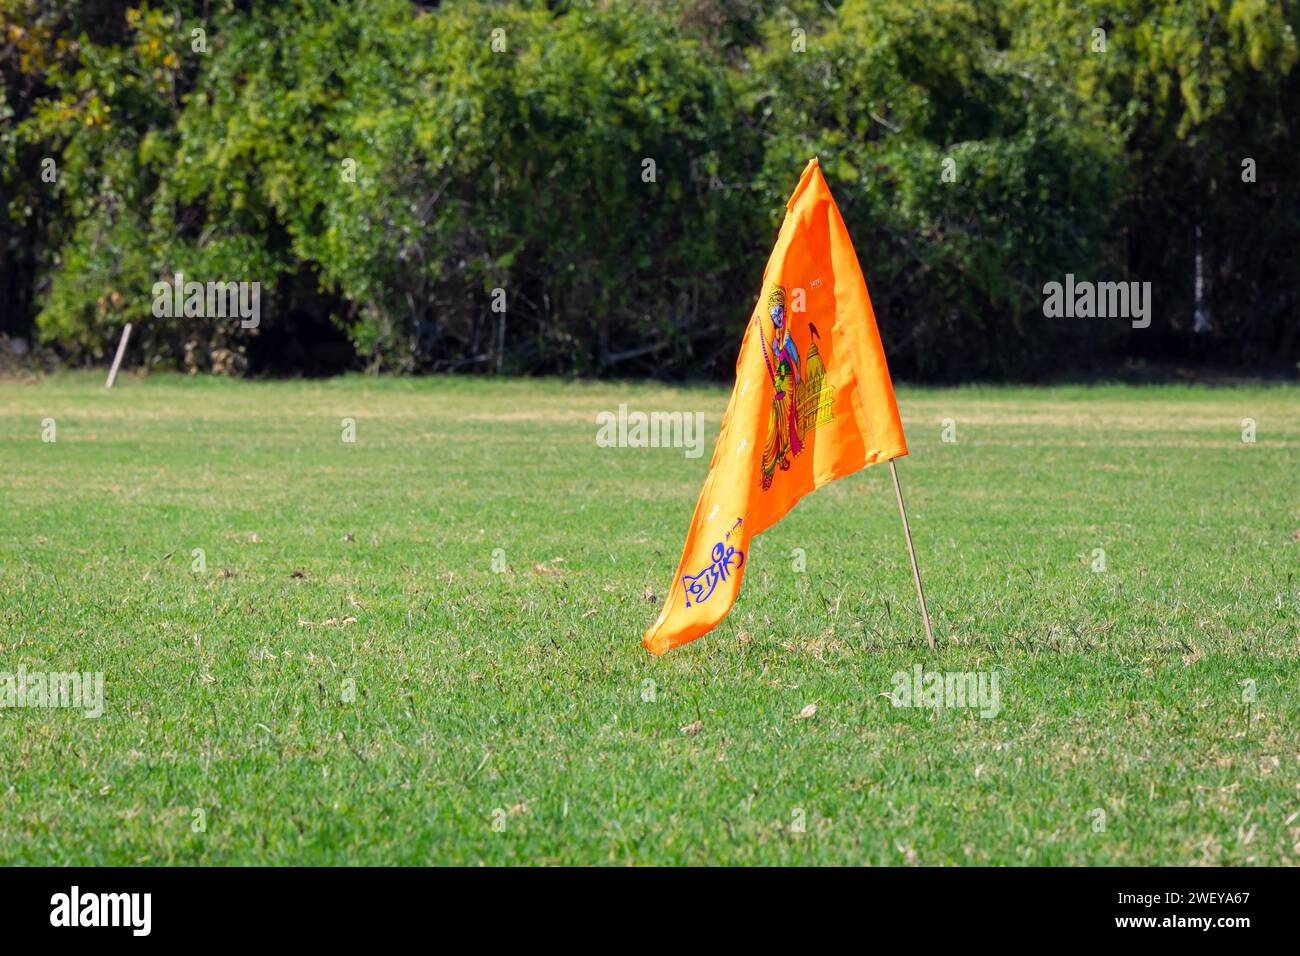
802,398
814,398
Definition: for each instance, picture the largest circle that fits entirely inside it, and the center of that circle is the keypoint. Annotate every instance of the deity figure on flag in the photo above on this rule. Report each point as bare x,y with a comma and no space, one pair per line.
784,438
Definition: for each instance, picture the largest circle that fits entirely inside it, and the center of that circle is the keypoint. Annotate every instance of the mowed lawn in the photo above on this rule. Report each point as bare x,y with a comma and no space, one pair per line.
348,677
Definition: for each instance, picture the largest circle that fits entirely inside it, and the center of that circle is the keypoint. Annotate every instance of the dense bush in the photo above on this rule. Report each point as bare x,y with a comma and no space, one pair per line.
613,176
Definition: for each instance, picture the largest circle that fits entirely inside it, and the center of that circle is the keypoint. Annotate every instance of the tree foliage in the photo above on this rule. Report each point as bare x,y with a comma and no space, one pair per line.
592,188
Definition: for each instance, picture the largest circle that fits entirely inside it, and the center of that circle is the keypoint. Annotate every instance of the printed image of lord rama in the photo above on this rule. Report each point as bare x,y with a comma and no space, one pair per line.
784,440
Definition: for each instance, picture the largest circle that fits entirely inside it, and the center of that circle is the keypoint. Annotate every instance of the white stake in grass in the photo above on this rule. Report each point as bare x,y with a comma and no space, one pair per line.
117,359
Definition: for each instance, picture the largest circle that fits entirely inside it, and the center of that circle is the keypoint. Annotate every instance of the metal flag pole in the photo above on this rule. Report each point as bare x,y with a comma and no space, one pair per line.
916,571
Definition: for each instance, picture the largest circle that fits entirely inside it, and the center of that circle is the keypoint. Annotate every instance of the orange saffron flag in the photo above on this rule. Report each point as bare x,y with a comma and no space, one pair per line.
812,403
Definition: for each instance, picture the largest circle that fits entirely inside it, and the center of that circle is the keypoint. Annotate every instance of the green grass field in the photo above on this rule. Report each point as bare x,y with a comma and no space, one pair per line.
349,680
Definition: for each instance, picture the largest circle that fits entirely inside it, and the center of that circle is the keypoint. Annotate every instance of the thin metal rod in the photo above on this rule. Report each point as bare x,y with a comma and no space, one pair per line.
911,551
117,359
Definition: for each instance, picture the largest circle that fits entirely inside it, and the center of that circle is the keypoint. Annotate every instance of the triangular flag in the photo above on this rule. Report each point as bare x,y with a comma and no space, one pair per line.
812,403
